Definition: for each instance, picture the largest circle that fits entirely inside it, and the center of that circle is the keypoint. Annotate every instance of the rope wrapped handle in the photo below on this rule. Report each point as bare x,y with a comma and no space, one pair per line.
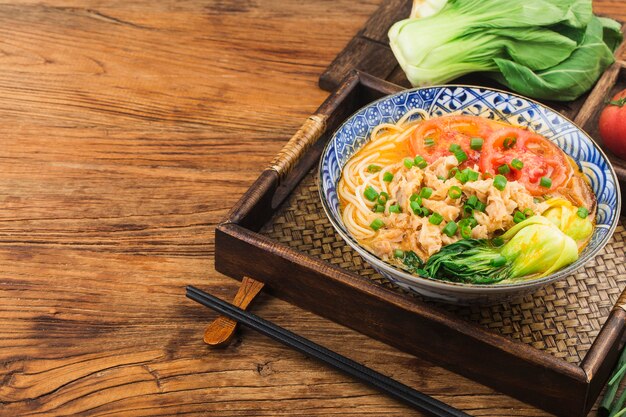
621,301
310,131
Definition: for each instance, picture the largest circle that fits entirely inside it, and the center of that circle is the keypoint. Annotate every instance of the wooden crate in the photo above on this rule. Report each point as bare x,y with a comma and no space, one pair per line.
308,265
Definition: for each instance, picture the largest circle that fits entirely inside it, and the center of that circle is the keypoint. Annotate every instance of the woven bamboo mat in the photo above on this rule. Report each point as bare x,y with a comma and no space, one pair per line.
563,318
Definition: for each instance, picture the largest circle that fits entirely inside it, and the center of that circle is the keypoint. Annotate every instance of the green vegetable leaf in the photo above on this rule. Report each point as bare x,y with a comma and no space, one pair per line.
537,48
413,40
608,406
468,260
565,217
539,249
567,80
612,32
577,14
533,247
541,48
412,262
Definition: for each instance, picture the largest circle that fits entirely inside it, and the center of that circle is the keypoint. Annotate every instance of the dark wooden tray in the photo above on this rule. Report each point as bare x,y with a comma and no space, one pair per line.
369,52
315,268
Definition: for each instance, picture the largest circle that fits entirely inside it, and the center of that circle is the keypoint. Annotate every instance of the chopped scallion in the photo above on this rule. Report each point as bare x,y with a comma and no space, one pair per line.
383,198
582,212
454,148
504,169
476,143
460,156
509,142
499,182
517,164
395,209
519,217
415,206
450,228
387,176
370,193
472,175
398,253
373,168
472,200
461,176
545,182
435,218
408,162
455,192
428,142
480,206
379,208
426,192
377,224
420,162
464,222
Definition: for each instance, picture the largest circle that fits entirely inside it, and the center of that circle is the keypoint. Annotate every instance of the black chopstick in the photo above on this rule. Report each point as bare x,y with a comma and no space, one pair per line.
394,388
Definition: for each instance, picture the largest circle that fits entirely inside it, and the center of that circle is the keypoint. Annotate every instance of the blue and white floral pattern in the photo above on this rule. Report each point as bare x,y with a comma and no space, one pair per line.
493,104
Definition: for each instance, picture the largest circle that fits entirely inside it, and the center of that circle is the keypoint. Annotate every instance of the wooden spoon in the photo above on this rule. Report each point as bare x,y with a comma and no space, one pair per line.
219,332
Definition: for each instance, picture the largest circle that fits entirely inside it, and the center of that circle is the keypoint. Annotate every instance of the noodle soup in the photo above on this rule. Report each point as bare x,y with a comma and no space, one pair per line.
466,199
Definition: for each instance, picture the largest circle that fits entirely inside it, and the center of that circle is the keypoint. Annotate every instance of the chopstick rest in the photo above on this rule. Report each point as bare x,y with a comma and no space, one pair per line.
221,330
385,384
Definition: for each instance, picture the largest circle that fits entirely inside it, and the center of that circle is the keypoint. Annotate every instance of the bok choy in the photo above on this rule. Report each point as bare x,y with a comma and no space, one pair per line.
564,215
533,247
552,49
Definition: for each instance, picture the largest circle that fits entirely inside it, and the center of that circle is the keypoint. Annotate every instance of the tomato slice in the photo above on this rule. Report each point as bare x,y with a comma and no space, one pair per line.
541,158
445,131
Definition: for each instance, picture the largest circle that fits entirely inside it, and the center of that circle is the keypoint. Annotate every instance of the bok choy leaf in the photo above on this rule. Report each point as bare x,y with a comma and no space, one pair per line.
534,247
567,80
542,48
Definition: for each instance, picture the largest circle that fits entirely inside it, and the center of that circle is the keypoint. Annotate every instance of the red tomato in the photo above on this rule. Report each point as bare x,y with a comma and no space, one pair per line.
613,125
541,158
448,130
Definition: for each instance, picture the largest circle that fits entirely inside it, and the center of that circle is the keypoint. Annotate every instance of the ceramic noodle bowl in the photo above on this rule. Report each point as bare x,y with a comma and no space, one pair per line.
491,104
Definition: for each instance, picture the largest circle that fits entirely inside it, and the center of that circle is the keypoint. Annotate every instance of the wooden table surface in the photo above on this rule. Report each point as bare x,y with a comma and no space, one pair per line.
127,131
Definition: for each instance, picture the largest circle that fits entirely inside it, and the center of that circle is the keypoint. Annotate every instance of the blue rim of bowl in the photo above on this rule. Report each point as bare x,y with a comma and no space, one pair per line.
373,259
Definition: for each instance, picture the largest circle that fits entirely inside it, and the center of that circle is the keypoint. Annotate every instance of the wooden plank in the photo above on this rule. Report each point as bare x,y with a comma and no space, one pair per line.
388,13
129,129
257,205
405,323
602,357
370,88
361,54
368,50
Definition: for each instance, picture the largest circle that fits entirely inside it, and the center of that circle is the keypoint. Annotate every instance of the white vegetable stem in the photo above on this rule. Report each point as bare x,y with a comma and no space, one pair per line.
424,8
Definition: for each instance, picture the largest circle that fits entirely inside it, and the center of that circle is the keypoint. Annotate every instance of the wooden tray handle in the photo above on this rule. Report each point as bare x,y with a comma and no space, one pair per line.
219,332
307,135
620,304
